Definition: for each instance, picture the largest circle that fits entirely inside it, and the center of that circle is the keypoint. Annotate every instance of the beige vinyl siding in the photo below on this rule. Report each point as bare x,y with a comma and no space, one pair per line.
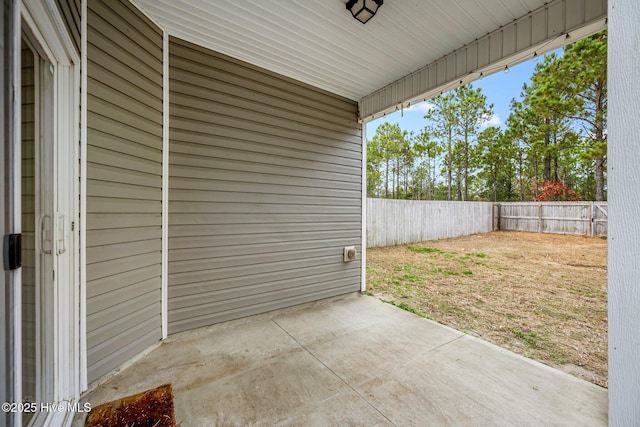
264,190
124,184
28,228
71,11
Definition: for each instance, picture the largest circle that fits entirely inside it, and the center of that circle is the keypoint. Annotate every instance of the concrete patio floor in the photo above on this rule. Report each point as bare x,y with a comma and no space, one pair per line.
352,361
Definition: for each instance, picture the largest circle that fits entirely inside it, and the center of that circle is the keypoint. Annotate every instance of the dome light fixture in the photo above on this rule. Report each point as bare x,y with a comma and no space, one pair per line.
363,10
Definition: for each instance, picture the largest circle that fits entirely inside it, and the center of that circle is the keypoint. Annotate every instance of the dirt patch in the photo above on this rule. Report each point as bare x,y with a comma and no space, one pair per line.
543,296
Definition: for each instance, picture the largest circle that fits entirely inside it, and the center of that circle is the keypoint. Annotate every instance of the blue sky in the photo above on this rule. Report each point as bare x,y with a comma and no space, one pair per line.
499,88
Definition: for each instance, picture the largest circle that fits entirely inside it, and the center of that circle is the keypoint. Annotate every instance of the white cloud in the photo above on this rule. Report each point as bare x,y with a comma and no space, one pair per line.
423,107
494,120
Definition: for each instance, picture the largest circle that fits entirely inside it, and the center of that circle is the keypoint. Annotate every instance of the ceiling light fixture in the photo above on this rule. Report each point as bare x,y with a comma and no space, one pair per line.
363,10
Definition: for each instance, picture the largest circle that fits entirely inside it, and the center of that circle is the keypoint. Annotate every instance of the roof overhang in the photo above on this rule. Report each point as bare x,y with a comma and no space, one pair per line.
409,51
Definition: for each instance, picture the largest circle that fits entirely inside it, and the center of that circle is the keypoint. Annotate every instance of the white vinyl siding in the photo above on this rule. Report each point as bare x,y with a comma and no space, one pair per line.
124,184
264,190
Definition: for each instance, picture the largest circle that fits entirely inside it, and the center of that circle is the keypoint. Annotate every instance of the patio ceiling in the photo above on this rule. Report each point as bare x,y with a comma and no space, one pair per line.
318,41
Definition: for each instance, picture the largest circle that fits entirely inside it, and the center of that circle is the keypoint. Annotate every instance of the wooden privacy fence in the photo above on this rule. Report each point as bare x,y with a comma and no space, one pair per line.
396,222
587,218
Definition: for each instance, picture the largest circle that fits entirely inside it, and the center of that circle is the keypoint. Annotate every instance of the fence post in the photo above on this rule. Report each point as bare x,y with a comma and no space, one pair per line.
540,217
592,224
496,216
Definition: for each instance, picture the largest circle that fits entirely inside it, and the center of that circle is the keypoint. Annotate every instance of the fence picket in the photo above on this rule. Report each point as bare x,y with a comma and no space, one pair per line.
396,222
555,217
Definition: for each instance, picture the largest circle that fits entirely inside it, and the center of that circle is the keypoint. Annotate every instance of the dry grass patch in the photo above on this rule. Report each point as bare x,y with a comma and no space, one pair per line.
540,295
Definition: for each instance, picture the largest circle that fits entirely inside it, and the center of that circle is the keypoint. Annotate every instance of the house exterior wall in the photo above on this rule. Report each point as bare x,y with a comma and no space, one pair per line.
624,213
264,190
124,184
28,180
28,224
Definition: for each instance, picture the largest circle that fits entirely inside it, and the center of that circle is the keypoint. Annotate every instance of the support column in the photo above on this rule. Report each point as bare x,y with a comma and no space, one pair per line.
624,212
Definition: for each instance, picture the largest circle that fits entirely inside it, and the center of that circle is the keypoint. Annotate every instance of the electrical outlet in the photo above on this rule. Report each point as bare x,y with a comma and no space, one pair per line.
350,254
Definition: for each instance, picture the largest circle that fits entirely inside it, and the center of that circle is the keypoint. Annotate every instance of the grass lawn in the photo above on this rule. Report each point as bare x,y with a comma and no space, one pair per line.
540,295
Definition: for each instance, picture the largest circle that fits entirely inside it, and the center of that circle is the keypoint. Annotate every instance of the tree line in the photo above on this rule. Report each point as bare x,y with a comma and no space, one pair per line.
553,145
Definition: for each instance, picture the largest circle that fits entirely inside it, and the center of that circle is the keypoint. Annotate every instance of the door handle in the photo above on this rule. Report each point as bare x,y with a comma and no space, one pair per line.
45,244
62,234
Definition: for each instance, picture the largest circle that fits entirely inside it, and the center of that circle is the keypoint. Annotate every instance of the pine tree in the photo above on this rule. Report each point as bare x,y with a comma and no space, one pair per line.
584,70
443,118
472,112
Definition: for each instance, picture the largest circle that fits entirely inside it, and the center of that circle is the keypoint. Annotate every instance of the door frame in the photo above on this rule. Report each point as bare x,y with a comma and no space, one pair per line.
42,22
10,294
